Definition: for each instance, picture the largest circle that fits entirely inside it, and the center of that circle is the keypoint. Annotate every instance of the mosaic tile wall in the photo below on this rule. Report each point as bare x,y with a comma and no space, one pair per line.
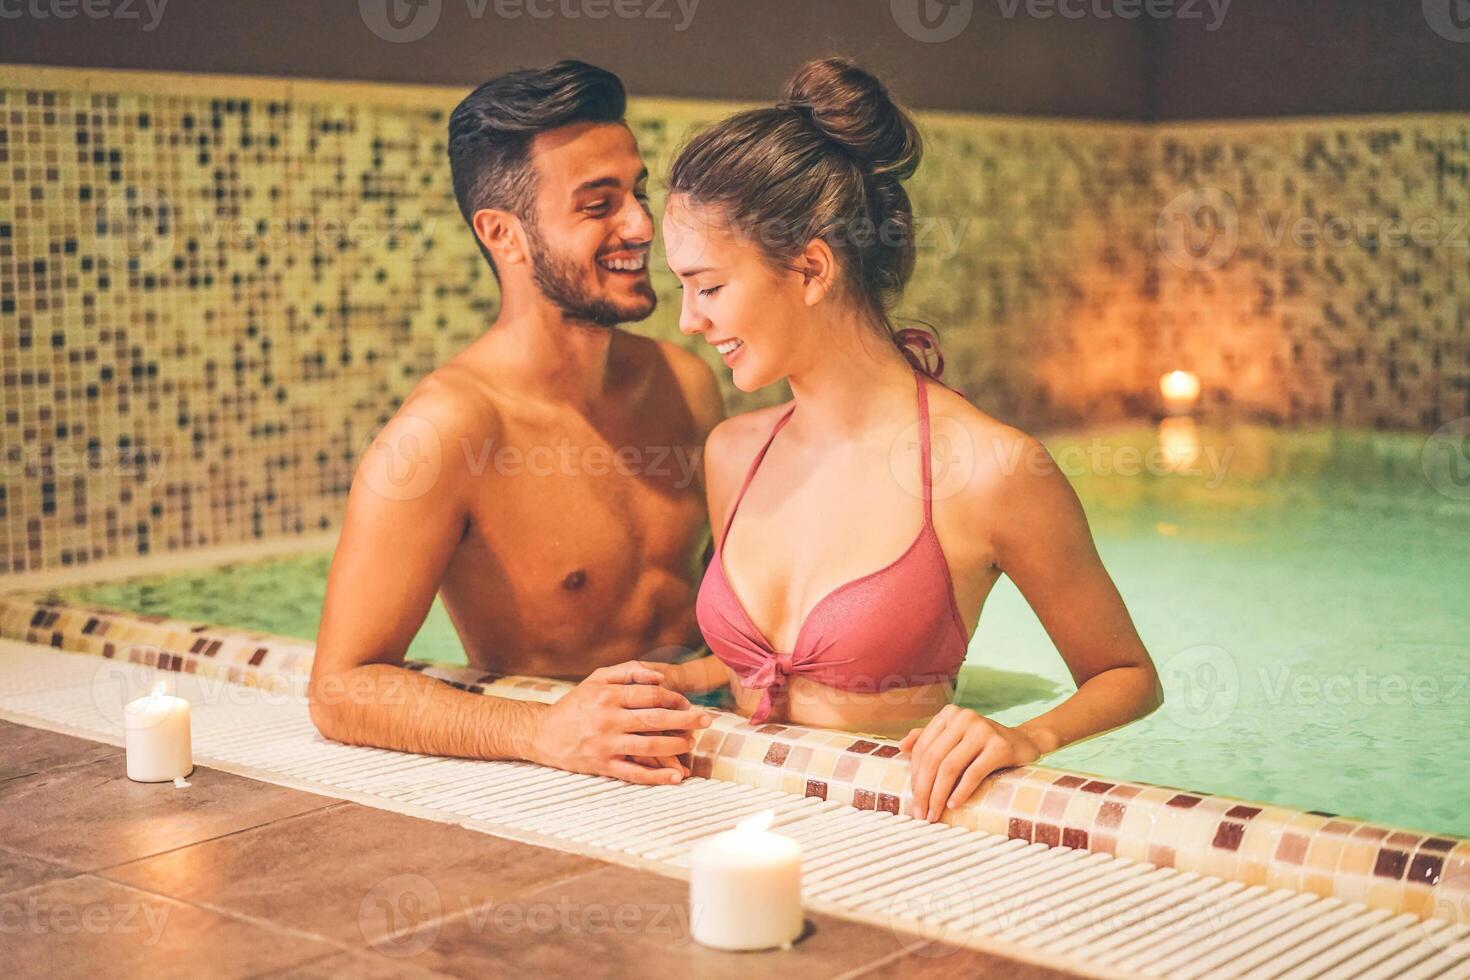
212,292
1337,286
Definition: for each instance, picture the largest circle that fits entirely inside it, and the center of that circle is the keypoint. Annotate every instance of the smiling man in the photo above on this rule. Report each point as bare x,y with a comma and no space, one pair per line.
545,481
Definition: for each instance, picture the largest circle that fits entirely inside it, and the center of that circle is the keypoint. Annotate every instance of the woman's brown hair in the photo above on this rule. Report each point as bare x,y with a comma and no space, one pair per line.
828,161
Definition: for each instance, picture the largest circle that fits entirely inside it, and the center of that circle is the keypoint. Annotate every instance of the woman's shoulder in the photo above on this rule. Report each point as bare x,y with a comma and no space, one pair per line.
990,454
734,442
744,431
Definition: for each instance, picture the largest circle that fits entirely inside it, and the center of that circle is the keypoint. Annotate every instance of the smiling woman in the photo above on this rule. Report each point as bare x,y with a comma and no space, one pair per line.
792,234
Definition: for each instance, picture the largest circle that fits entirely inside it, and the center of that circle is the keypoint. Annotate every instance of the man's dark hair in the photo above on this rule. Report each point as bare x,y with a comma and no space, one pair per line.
491,130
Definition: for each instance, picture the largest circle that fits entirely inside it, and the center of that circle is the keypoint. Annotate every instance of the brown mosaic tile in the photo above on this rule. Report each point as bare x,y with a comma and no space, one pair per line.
1110,815
862,746
1074,837
1097,786
776,754
1019,828
817,788
1243,812
1390,863
886,752
888,802
1048,833
1183,800
1426,868
1054,805
1228,835
864,799
1292,848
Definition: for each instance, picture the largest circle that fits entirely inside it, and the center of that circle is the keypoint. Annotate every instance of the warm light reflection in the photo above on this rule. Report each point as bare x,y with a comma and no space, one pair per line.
1180,390
757,823
1179,443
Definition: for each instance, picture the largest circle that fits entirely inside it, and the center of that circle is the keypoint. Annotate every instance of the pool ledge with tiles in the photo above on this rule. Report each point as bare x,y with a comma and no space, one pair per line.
1390,868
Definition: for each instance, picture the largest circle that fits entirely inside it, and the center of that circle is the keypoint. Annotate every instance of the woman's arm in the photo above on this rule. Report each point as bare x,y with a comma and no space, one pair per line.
1042,541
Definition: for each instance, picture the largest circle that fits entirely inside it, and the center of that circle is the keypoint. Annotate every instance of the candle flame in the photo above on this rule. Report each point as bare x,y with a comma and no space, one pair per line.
757,822
1179,386
158,690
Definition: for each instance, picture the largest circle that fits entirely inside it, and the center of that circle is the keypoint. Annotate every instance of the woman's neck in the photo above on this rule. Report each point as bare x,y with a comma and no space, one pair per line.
850,384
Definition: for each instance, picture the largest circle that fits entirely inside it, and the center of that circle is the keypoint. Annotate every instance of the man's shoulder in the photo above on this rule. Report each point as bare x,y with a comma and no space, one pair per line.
451,405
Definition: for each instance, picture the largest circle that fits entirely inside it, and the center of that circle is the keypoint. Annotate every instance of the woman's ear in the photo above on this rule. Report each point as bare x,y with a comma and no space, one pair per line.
502,234
818,267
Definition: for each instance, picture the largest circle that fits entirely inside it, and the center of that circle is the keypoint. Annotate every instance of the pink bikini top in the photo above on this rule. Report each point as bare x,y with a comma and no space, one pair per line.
896,627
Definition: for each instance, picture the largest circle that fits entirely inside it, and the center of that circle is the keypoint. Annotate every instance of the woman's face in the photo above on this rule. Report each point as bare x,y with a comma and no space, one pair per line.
733,297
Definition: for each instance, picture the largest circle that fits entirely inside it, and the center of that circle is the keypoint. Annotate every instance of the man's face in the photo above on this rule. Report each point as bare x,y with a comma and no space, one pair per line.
590,229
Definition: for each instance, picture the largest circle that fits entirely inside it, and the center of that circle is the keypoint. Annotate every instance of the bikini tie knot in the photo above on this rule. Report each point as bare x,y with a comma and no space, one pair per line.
770,676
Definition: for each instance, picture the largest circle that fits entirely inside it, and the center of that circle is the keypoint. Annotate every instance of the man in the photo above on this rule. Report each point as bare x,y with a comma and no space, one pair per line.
545,480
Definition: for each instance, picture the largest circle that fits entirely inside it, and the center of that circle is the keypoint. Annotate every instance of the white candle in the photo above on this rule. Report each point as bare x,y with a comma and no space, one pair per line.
160,747
745,888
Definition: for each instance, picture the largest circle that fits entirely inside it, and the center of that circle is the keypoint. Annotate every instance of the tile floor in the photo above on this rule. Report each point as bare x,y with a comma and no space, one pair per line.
232,877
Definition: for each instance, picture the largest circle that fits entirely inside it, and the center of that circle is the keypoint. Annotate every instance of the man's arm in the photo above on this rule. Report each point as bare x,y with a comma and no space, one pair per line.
406,514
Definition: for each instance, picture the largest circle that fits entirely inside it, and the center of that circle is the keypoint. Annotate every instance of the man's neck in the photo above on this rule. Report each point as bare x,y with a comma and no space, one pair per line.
544,355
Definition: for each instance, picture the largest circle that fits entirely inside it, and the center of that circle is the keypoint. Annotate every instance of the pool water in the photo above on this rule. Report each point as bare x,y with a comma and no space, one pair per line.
1303,594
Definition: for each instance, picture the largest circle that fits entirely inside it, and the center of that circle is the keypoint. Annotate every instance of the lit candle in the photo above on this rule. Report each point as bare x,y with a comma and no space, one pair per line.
1180,390
160,748
745,888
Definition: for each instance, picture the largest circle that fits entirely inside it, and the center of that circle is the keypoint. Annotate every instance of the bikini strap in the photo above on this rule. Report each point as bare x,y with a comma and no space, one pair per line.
925,464
750,473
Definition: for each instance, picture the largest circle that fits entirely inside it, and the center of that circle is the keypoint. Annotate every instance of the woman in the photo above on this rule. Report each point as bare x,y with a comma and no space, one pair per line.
791,234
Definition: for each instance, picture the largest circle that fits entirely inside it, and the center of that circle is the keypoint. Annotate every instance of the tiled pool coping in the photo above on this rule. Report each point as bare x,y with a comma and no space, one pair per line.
1385,867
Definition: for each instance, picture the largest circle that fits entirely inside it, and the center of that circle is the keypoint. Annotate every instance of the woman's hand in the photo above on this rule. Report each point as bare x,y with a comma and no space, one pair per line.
692,676
954,752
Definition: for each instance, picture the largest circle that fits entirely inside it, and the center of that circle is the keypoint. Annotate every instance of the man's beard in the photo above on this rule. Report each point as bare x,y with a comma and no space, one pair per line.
560,281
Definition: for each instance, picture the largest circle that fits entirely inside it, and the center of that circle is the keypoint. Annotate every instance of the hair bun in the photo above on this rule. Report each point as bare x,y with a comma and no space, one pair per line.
853,109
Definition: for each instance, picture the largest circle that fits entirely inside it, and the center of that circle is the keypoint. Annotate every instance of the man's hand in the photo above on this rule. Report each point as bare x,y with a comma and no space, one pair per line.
619,722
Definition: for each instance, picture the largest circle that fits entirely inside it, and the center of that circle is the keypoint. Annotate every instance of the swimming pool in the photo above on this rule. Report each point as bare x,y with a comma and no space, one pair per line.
1302,593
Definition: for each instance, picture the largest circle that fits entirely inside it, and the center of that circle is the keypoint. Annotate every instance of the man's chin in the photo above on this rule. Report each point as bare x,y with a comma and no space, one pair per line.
639,306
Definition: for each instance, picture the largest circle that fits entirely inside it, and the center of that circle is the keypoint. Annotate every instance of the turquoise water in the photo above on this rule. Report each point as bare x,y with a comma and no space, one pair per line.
1303,593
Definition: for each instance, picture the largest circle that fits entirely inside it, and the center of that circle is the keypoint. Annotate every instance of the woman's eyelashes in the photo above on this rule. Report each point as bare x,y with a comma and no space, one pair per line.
706,291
